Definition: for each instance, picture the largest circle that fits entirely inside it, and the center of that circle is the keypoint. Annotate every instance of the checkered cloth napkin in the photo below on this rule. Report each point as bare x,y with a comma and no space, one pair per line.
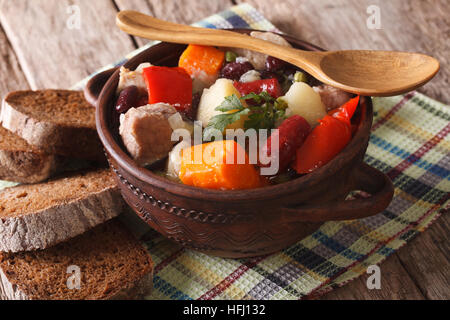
409,142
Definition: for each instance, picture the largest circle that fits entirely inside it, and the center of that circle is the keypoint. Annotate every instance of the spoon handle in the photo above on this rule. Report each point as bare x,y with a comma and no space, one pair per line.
145,26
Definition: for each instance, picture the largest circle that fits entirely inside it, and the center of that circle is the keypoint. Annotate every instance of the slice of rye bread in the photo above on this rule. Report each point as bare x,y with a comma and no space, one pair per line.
21,162
112,265
41,215
56,121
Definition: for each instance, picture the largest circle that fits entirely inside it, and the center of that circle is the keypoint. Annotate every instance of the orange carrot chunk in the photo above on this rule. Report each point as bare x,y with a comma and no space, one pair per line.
198,58
215,165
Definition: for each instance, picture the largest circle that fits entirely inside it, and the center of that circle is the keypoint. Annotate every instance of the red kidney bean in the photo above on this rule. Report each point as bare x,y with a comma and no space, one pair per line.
272,75
191,112
128,99
274,64
291,134
143,100
234,70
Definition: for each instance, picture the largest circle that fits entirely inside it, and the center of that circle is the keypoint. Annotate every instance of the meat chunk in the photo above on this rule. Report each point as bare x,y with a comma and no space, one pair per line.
146,132
201,80
133,78
258,60
332,97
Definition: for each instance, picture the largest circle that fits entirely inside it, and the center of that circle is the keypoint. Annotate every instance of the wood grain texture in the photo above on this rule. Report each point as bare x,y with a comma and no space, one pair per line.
180,11
138,5
53,55
11,75
426,259
417,25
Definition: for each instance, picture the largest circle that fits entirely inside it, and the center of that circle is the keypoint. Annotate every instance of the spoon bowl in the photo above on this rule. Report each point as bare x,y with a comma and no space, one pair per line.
364,72
377,73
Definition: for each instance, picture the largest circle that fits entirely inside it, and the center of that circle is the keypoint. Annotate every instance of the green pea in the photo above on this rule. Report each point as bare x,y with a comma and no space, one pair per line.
230,56
300,77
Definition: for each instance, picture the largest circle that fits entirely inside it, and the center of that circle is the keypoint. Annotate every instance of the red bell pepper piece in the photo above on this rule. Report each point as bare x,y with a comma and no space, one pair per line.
271,86
346,111
169,85
322,144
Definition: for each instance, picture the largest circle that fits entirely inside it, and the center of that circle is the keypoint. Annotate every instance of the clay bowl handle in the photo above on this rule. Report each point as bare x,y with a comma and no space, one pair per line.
95,85
365,178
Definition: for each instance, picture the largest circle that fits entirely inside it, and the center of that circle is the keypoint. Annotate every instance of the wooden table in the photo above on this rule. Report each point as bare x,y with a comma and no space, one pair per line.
41,49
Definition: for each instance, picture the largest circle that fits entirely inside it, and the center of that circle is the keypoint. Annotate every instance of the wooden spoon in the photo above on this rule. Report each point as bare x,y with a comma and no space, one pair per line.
365,72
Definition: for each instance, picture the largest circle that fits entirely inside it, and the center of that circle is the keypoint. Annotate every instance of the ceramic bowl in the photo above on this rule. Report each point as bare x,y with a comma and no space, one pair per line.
247,222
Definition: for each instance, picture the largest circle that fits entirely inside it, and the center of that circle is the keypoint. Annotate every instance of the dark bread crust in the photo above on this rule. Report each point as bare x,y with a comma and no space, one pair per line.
26,167
42,215
113,265
20,162
68,130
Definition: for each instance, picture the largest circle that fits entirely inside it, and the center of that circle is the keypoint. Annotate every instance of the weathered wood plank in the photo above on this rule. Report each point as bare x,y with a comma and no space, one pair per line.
394,285
11,75
426,260
180,11
187,11
138,5
53,55
417,25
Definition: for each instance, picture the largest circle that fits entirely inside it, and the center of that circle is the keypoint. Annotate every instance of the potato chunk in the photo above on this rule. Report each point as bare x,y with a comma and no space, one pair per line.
302,100
174,160
213,97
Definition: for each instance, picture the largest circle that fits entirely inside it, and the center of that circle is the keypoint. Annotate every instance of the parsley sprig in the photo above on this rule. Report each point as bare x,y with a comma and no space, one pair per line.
263,115
266,113
233,109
